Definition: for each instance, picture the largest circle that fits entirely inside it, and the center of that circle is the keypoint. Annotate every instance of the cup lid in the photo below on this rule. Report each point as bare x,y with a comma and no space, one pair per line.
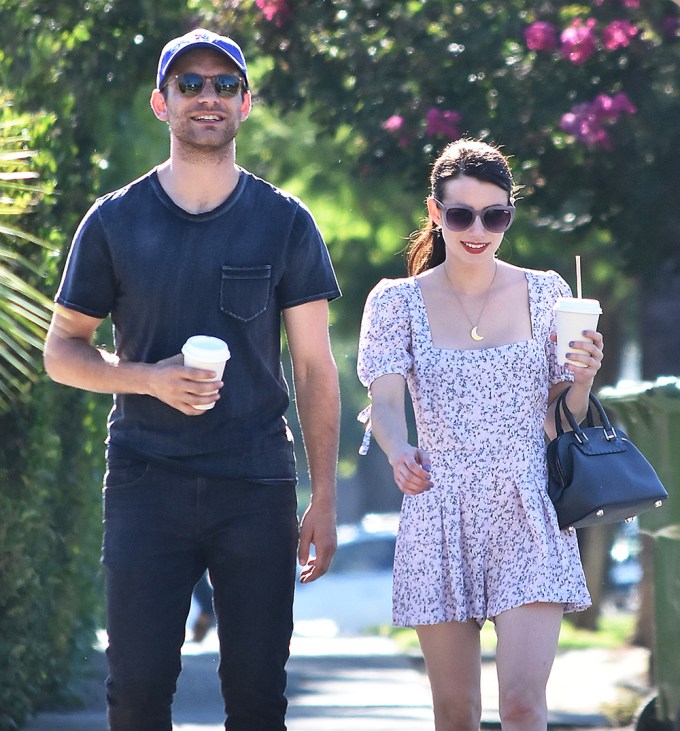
574,304
207,348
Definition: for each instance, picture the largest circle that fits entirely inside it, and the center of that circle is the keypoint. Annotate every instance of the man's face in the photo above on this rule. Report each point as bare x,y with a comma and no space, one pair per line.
203,123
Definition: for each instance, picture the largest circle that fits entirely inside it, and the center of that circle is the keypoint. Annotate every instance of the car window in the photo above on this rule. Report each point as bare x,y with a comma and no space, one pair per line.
376,554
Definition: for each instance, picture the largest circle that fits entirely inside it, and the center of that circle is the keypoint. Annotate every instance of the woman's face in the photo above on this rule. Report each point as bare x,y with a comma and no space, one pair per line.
476,243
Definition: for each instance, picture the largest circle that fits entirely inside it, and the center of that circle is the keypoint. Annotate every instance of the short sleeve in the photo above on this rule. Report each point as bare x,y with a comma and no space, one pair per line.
88,282
309,274
557,287
384,341
385,337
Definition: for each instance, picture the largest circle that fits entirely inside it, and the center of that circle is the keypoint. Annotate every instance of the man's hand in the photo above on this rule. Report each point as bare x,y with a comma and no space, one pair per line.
181,387
318,528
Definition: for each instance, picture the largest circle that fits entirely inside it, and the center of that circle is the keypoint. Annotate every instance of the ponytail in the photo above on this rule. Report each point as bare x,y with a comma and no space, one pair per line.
426,249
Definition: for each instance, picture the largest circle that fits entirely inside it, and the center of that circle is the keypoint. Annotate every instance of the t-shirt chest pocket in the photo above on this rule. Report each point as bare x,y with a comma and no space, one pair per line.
244,291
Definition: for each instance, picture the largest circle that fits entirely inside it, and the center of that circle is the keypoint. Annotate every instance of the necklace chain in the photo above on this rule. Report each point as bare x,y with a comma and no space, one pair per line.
474,334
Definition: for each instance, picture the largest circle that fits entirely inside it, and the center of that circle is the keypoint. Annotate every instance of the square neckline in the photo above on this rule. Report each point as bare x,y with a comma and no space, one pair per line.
532,315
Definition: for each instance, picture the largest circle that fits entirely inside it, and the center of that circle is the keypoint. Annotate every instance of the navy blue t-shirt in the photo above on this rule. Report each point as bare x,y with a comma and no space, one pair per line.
163,275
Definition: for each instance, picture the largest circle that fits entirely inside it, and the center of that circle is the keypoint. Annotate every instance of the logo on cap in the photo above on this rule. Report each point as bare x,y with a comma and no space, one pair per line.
200,38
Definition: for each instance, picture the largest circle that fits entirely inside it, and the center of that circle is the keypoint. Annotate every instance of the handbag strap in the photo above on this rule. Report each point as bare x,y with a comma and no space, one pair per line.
562,408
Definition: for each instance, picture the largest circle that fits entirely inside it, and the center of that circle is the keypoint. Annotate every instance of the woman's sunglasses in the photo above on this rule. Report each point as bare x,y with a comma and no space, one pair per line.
192,84
459,217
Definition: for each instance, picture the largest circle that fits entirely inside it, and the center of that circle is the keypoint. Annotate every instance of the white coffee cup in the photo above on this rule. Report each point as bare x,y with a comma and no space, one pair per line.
574,315
209,354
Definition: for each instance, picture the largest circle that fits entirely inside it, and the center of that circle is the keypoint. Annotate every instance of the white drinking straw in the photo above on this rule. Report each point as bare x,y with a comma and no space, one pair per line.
579,293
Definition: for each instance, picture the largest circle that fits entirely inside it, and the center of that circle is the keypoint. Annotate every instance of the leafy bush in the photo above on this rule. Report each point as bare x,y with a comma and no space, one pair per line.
50,587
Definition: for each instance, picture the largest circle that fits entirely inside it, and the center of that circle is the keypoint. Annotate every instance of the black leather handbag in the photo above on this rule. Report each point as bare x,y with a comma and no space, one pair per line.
596,474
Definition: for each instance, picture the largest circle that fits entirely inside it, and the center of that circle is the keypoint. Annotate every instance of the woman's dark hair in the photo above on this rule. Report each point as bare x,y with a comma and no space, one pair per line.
464,157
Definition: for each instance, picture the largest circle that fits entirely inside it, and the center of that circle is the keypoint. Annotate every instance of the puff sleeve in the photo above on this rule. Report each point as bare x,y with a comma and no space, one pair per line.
384,340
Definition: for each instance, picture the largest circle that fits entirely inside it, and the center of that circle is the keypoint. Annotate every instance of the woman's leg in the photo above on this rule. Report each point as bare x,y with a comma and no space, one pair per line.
527,643
453,662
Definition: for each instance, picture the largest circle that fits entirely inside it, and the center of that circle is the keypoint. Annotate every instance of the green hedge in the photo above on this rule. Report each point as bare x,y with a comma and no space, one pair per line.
51,462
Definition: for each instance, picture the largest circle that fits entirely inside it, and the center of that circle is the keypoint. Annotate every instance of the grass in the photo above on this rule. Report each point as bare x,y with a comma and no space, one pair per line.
614,630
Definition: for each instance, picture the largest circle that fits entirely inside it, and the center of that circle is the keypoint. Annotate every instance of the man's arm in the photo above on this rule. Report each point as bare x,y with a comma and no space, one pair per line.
71,359
317,396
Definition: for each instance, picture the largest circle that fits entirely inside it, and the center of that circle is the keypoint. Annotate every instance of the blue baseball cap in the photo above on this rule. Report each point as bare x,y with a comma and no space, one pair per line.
200,38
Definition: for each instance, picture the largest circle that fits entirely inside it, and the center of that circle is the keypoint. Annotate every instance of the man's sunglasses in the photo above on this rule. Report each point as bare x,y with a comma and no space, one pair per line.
459,217
192,84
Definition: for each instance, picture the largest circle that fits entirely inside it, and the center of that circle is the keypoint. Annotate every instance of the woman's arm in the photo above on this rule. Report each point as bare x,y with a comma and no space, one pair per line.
410,465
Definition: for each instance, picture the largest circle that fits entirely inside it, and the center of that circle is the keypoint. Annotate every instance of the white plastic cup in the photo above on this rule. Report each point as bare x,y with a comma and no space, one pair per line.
209,354
573,317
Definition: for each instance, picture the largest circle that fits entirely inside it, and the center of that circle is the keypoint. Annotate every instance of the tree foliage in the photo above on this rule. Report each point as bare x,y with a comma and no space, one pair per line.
72,69
585,96
24,311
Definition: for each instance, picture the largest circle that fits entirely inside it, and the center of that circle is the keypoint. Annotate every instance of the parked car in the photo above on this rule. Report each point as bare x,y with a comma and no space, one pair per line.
355,595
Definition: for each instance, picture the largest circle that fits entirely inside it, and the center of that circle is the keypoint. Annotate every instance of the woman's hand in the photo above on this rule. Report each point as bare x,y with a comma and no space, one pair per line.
411,470
584,375
591,358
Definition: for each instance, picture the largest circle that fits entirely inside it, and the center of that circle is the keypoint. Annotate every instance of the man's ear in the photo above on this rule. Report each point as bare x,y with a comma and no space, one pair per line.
160,108
246,105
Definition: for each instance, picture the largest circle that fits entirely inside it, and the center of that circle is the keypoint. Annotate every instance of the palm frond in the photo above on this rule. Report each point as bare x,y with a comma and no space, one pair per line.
24,311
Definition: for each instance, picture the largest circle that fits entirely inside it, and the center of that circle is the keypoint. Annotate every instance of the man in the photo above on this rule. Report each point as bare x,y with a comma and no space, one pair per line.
201,246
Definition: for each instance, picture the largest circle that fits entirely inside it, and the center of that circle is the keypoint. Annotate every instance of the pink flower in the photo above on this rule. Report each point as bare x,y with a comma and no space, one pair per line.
618,34
276,11
586,121
541,36
670,26
443,122
622,104
625,3
393,124
583,124
579,41
396,125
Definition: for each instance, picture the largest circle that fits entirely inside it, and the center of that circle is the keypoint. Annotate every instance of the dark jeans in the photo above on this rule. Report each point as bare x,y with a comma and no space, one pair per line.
162,530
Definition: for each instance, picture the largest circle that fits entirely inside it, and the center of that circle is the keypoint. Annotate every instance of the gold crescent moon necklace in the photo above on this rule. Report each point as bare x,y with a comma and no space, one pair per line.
474,331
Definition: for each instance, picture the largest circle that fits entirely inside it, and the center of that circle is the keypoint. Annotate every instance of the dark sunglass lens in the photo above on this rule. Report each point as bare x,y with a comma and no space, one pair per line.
190,83
227,85
497,220
458,219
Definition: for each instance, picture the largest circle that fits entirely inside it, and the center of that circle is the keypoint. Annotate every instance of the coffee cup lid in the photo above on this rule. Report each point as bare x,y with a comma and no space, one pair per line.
207,348
574,304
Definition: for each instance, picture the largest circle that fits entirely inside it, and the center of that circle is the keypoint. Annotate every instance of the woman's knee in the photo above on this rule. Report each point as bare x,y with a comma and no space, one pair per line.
520,707
453,713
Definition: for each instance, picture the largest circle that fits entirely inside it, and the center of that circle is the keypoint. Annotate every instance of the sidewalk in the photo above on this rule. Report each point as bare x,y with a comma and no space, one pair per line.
366,684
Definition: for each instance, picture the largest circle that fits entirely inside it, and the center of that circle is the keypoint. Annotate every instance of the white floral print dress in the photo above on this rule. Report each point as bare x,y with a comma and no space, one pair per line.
485,538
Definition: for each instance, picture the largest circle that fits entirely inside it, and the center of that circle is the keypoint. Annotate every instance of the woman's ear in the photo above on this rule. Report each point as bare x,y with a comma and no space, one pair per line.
160,108
433,210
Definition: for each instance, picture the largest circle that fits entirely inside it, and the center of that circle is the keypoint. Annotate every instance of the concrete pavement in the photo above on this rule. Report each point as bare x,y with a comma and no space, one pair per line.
367,684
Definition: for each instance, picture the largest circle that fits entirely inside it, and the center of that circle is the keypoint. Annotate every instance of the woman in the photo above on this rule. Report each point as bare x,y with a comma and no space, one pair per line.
472,337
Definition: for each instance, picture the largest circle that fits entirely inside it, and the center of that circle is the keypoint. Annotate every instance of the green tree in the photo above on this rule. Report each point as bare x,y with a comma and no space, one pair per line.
75,67
584,96
24,311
